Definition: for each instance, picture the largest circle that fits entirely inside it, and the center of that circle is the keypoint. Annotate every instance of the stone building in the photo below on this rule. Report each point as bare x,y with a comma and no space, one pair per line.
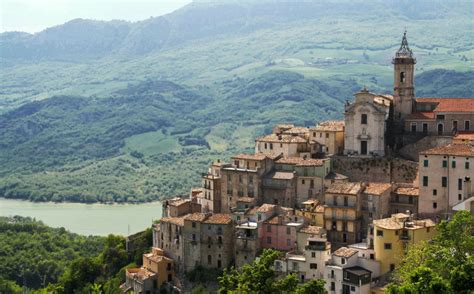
279,232
404,198
446,175
209,241
210,199
343,214
241,181
375,203
279,188
288,145
157,269
365,124
168,235
330,136
313,211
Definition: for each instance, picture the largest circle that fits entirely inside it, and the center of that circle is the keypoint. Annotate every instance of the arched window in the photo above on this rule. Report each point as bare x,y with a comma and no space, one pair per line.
363,119
402,77
440,129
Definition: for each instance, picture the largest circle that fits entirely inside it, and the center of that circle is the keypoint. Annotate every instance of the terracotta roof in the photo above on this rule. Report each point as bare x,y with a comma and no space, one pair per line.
174,220
299,161
410,191
345,188
451,149
195,217
257,156
467,136
180,201
420,115
281,176
296,130
140,273
285,126
311,230
266,207
219,219
281,139
400,221
252,211
450,104
246,199
383,99
273,220
330,126
345,252
377,188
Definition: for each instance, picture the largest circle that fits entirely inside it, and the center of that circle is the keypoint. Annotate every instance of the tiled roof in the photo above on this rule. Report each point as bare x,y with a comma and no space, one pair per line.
467,136
285,126
266,207
274,220
195,217
311,230
400,221
297,130
219,219
180,201
299,161
377,188
345,252
330,126
174,220
410,191
257,156
450,104
282,176
420,115
451,149
281,139
345,188
252,211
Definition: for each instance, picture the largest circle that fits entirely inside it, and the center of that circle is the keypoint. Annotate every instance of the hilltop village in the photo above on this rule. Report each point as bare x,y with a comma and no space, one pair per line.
341,200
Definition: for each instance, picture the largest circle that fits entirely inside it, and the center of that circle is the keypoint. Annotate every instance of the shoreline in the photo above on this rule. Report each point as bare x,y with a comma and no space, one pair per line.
86,203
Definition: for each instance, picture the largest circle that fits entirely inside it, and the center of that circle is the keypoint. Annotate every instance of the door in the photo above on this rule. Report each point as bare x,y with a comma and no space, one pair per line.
425,128
363,147
440,129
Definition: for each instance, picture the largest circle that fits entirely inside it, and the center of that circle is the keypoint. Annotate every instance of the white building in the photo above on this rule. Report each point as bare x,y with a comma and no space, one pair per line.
365,124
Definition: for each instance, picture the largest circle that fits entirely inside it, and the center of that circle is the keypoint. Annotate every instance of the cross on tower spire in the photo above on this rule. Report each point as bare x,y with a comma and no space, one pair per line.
404,50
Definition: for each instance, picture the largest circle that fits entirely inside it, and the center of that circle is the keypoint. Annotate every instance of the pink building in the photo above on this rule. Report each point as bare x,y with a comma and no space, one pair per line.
279,232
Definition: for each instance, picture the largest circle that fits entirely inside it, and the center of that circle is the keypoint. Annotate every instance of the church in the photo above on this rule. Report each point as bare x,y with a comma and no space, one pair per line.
373,121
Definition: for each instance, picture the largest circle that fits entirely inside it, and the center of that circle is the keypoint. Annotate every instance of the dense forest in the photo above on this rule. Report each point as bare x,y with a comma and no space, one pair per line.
53,260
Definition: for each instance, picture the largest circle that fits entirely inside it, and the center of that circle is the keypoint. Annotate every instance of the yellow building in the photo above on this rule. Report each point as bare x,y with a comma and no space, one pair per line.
313,211
157,269
330,135
392,236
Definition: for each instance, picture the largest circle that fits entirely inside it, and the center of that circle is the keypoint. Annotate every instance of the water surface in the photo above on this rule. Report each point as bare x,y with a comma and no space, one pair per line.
86,219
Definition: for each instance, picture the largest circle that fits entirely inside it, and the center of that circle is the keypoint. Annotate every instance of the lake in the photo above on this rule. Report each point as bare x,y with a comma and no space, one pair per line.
87,219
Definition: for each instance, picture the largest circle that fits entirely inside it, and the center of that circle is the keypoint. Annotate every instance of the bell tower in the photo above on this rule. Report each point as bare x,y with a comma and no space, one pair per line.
403,82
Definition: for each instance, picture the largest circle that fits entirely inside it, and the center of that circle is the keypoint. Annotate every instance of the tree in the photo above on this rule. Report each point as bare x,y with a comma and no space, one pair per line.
312,287
443,265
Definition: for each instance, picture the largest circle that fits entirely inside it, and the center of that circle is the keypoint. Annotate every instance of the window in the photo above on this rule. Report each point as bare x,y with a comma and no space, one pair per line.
313,265
440,128
333,286
320,135
346,201
269,240
343,260
327,135
413,127
453,164
168,267
425,128
425,181
440,116
265,145
302,182
271,146
392,267
455,125
459,184
435,205
269,228
314,134
387,246
425,163
240,178
466,164
435,192
288,231
459,196
288,242
219,240
444,181
311,184
380,233
363,119
445,163
313,254
353,288
402,77
194,237
467,125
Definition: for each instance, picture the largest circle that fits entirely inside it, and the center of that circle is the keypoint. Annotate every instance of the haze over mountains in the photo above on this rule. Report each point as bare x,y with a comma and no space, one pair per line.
144,106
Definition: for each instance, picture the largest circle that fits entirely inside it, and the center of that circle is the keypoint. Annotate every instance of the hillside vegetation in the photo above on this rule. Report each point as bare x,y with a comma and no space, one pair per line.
117,111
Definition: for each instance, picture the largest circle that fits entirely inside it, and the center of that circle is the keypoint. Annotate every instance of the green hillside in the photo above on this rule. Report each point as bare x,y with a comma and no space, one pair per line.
119,111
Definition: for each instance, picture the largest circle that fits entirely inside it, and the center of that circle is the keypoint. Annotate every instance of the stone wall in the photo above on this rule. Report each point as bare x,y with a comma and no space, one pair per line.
412,150
376,169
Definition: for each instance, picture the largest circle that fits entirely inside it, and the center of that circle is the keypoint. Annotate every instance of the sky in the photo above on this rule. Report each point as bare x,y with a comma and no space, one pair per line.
36,15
